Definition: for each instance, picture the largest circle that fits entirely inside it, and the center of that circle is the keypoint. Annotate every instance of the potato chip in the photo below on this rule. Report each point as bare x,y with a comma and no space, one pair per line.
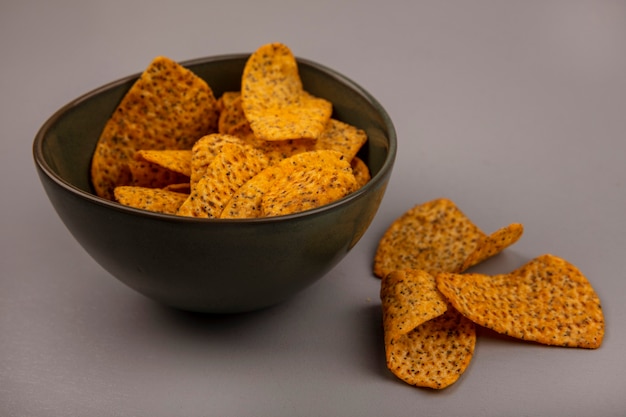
308,180
168,107
342,137
409,299
147,174
547,300
361,171
437,237
152,199
203,152
493,244
183,188
231,168
171,159
435,354
427,343
247,200
274,101
231,112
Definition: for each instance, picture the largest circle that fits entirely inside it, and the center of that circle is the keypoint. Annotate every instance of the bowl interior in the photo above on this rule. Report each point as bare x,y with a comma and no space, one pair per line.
65,144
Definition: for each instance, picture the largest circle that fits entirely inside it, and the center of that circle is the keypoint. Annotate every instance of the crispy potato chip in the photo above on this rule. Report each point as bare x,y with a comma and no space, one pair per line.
435,354
231,112
427,343
548,300
168,107
437,237
277,150
203,152
231,168
274,101
409,299
247,200
337,135
184,188
152,199
171,159
308,180
494,244
147,174
361,171
341,137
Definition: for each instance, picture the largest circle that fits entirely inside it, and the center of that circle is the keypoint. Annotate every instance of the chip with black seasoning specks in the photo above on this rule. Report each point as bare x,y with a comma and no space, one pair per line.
230,169
151,199
548,300
308,180
274,101
168,107
427,343
437,236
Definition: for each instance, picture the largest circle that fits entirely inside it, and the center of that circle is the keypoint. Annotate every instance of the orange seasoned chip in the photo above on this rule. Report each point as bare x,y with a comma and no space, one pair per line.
427,343
183,188
308,180
247,200
437,237
409,299
493,244
361,171
150,175
231,112
342,137
548,300
152,199
277,150
231,168
204,150
274,101
168,107
172,159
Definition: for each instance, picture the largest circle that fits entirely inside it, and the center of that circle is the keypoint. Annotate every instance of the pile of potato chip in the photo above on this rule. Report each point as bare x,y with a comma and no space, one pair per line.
431,307
269,149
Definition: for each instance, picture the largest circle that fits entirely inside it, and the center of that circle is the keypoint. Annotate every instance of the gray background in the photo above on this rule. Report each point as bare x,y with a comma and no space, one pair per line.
514,110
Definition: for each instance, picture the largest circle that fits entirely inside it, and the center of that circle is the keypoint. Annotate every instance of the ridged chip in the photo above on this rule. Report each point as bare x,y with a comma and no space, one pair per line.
342,137
231,168
427,343
168,107
548,300
437,237
151,199
273,98
171,159
361,171
204,150
247,200
308,180
150,175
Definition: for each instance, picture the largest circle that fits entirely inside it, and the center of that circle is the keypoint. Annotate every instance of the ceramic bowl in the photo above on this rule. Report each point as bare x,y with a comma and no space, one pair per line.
212,265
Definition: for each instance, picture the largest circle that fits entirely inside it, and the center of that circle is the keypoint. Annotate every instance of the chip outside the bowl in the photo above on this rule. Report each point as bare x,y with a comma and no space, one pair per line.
548,300
437,236
427,343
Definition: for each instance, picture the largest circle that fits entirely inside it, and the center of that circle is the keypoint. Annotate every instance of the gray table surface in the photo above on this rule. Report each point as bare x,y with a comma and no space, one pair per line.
514,110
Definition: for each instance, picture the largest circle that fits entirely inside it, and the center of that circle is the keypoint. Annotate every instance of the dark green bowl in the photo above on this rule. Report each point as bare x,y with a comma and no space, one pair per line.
210,265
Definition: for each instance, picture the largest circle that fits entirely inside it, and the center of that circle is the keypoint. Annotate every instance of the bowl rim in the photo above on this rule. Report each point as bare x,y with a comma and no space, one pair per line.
385,170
